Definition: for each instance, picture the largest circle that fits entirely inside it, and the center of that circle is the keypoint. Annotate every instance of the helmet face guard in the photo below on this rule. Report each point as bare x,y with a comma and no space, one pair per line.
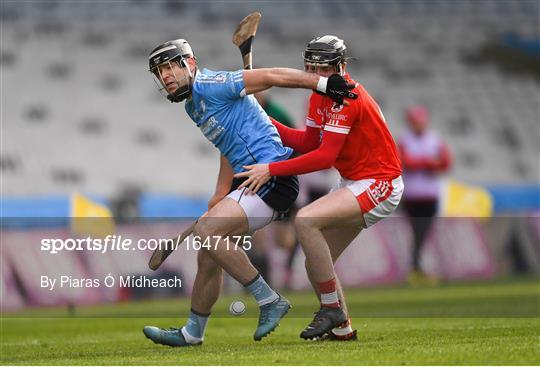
182,79
325,51
170,56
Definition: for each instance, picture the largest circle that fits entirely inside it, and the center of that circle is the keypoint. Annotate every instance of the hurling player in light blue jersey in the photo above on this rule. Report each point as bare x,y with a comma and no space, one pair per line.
222,106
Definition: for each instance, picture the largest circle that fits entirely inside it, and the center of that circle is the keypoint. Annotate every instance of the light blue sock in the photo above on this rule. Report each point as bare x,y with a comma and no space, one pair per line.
196,324
261,291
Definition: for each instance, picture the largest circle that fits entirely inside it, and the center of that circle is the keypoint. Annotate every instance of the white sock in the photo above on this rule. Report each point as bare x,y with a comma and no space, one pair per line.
189,338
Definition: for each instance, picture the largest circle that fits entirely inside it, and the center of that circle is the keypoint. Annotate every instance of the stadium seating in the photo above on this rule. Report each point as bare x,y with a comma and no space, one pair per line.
80,110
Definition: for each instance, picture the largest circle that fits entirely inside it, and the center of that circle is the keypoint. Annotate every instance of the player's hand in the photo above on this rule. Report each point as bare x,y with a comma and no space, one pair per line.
257,175
338,89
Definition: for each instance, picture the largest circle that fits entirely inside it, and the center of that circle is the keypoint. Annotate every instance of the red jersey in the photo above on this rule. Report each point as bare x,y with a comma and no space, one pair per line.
354,139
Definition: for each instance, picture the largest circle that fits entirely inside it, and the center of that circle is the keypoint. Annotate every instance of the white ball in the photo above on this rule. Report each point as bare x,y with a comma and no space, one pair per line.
237,308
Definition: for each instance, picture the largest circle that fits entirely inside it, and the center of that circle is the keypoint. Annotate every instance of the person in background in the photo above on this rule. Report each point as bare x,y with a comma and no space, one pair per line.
424,156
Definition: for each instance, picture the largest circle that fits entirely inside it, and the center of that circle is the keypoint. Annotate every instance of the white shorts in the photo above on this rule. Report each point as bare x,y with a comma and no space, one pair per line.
378,198
259,214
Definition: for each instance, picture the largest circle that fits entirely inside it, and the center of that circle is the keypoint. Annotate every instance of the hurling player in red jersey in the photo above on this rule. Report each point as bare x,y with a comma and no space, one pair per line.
353,138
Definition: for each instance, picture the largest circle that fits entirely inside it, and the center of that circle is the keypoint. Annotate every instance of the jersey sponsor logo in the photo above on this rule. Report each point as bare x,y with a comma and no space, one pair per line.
333,117
336,117
333,120
211,129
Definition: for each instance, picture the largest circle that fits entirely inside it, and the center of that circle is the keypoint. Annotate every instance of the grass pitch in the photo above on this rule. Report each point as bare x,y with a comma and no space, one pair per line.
481,323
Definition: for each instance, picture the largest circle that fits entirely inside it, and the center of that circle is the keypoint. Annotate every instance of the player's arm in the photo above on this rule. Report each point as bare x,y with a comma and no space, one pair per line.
336,87
302,141
325,154
316,160
224,182
442,162
319,159
445,158
258,80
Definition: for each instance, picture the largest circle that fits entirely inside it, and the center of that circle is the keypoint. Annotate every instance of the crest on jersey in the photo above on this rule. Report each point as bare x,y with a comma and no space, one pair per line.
336,107
379,191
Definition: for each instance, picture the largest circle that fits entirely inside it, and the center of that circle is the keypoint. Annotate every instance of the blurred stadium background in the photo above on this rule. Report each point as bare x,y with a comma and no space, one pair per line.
80,113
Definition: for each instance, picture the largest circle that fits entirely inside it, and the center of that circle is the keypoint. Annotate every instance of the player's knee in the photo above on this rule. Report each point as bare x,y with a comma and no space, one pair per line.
304,220
202,230
209,227
205,262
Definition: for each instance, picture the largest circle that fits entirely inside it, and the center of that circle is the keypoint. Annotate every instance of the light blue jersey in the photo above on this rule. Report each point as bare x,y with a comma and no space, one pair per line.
235,123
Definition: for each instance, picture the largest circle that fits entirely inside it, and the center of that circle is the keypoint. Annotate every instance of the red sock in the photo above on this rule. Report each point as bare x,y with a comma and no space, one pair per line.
329,297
